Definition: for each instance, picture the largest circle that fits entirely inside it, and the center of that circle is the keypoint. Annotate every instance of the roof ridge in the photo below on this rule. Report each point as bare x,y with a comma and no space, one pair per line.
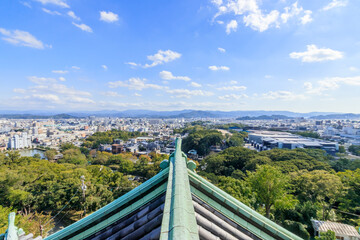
179,221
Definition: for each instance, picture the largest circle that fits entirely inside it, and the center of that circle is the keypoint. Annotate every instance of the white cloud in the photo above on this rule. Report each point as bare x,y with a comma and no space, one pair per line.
162,57
51,12
353,69
26,4
231,26
194,84
132,64
307,17
283,95
232,88
21,38
42,80
290,12
315,54
135,84
48,90
111,94
217,68
185,93
60,71
256,18
104,67
137,95
261,22
233,82
334,4
59,3
166,75
268,76
62,79
83,27
222,50
217,2
75,67
47,97
73,16
229,97
19,90
108,16
328,84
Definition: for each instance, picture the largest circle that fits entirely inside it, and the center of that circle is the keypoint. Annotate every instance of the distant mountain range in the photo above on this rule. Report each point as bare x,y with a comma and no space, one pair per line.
33,116
241,115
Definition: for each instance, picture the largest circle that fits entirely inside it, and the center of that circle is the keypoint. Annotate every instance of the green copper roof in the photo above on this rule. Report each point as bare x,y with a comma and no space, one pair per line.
71,232
179,220
235,210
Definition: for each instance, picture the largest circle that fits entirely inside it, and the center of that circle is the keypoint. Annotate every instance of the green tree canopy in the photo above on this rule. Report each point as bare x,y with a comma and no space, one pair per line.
270,187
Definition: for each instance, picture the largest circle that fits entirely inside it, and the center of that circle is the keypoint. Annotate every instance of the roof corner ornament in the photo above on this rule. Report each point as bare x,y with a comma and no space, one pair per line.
12,233
191,165
164,164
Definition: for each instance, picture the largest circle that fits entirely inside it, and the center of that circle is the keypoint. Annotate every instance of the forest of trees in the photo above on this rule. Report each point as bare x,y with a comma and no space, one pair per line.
201,138
355,150
289,186
38,189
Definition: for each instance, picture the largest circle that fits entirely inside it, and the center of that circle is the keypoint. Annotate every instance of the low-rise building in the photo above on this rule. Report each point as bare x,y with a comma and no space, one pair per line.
342,231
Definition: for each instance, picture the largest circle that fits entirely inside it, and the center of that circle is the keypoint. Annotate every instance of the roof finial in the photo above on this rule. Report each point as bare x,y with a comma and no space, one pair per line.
12,233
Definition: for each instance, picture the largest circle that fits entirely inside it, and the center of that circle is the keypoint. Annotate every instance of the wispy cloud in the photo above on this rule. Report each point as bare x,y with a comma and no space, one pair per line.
73,15
335,4
60,71
135,84
59,3
104,67
83,27
21,38
51,12
166,75
230,97
195,84
283,95
232,88
111,94
50,91
315,54
218,68
186,93
328,84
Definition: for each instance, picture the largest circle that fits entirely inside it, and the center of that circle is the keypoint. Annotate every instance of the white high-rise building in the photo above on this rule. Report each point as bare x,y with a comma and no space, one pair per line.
18,142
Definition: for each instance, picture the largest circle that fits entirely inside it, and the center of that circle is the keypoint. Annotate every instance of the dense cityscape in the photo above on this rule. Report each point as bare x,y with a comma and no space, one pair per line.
309,150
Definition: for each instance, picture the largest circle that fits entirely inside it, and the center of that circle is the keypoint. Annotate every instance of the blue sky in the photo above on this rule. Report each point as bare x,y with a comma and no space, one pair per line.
70,55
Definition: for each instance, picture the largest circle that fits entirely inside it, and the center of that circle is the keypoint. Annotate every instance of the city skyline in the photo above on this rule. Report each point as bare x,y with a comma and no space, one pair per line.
224,55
